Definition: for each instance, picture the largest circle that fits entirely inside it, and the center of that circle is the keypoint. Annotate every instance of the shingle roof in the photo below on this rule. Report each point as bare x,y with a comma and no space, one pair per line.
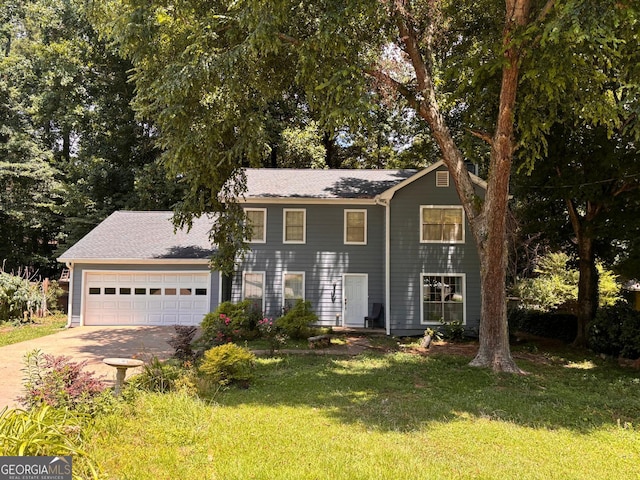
142,235
308,183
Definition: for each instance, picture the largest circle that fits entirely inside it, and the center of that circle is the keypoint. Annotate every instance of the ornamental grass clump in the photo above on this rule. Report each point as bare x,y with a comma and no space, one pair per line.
228,363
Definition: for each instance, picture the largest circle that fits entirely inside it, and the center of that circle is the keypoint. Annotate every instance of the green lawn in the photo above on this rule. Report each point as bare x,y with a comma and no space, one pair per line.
10,334
394,416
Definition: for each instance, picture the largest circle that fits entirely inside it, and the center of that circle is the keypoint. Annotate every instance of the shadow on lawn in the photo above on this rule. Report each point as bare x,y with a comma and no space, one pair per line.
401,392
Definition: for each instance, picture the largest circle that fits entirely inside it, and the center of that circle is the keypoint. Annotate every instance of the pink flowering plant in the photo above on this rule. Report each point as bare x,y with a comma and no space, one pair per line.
229,322
270,332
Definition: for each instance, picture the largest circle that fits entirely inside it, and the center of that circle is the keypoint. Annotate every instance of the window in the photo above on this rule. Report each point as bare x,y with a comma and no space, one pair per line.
443,298
201,291
155,291
293,289
294,225
257,218
170,291
441,224
125,291
94,291
253,289
140,291
355,227
185,291
109,291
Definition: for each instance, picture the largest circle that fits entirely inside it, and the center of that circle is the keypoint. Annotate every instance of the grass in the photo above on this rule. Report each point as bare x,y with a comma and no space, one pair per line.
10,333
397,415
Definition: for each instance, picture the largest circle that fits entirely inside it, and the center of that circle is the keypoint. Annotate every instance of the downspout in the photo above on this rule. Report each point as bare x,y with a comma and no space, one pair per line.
387,261
69,265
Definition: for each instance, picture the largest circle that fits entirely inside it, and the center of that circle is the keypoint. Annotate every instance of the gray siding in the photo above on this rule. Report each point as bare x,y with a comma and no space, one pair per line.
324,258
79,268
410,258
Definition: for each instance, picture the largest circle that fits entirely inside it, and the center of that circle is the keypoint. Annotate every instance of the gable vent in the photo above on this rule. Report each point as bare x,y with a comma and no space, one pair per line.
442,178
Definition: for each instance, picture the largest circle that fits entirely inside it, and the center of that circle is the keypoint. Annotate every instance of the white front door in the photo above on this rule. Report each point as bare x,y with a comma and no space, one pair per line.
355,299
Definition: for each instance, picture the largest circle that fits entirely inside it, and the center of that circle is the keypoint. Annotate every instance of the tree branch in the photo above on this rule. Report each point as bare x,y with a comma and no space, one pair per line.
288,39
482,136
545,10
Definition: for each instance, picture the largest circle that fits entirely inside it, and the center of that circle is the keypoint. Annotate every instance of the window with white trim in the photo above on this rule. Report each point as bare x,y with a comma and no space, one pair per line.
294,225
257,219
292,289
443,298
253,289
355,227
441,224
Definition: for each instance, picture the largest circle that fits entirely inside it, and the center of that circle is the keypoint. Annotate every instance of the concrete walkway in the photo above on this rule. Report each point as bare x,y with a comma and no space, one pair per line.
83,343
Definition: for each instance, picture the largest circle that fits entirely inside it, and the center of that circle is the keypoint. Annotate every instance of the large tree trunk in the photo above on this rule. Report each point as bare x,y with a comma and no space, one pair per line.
488,222
587,288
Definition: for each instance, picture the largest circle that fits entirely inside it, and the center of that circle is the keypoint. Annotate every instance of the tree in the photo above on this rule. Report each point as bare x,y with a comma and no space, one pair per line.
586,197
207,75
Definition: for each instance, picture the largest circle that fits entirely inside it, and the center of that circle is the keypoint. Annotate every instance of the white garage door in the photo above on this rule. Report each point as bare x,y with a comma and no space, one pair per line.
128,298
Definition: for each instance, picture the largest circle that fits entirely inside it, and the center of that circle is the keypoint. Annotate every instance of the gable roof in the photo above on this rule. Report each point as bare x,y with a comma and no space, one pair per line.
271,183
126,235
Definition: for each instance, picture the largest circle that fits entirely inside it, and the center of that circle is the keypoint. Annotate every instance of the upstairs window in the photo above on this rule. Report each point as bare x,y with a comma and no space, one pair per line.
294,230
257,219
441,224
355,227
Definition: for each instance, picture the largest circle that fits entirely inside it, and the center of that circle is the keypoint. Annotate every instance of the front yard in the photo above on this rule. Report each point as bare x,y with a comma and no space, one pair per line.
385,415
40,327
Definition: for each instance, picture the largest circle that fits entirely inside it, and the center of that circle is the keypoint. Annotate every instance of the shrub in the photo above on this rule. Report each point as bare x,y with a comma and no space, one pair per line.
57,382
560,326
157,376
269,331
17,296
556,284
228,363
453,331
229,322
296,322
181,342
615,331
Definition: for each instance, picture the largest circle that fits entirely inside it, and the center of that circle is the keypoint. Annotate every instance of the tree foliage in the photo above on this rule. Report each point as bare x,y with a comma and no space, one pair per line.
209,74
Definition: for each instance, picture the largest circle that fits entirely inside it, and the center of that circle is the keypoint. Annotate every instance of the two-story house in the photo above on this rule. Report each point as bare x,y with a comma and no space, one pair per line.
342,239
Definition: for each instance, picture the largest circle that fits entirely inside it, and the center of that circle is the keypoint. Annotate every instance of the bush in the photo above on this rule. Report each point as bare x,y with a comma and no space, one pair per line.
296,322
17,296
181,342
229,322
157,376
560,326
57,382
269,331
615,331
452,331
228,363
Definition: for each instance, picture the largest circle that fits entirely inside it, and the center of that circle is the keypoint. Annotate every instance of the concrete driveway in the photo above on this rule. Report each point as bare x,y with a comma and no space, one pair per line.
83,343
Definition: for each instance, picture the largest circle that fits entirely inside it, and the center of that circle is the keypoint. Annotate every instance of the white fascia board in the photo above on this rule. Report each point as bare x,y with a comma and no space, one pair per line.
138,261
308,201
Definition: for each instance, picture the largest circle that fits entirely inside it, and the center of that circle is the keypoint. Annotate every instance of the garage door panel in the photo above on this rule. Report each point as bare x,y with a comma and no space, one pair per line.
134,298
